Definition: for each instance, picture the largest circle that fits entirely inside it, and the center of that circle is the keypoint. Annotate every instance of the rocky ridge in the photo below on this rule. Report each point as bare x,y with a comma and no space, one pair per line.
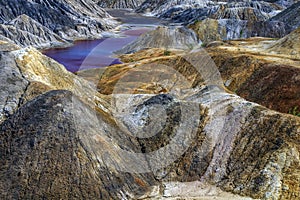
252,151
209,30
119,4
163,37
290,17
140,63
25,31
288,45
159,7
250,70
233,20
33,22
254,10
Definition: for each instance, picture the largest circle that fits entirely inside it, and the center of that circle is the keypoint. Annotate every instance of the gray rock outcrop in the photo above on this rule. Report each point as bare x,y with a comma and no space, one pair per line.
25,31
285,3
290,17
163,37
12,86
66,19
235,19
254,10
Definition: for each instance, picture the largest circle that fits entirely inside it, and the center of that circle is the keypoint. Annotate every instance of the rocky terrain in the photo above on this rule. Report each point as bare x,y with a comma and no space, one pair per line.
159,7
226,21
50,23
285,3
288,45
173,38
251,71
262,70
66,144
174,120
290,17
25,31
119,3
209,30
69,20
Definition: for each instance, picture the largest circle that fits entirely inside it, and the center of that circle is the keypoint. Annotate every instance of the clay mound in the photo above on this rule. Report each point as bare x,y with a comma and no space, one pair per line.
289,45
163,37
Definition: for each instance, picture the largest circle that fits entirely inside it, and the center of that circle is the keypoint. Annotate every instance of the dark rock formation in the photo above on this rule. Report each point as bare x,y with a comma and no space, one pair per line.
186,15
290,17
49,159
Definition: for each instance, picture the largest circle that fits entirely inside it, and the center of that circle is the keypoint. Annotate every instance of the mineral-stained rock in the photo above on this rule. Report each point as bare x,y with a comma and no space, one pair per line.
209,30
60,145
27,73
43,155
163,37
270,79
269,158
7,45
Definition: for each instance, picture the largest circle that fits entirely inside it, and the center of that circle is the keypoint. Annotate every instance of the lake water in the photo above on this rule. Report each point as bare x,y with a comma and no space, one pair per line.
95,53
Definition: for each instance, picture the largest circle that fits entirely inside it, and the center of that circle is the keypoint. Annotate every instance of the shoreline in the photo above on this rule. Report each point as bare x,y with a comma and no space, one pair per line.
125,17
